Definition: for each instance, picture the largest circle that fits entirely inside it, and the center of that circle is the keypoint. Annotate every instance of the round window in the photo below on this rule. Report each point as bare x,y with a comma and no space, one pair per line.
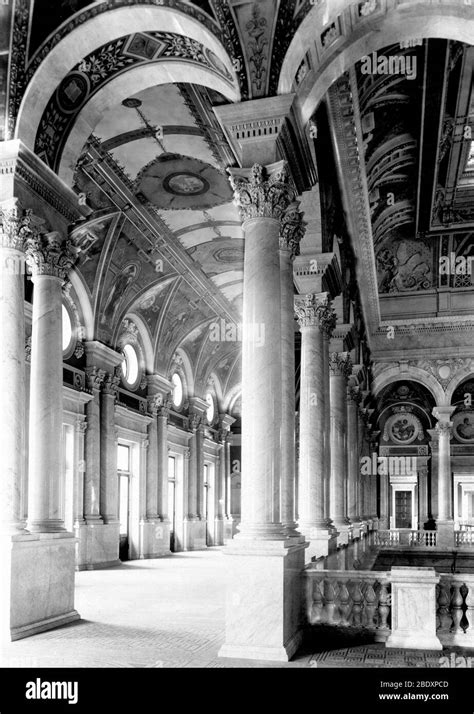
210,412
178,390
130,369
67,329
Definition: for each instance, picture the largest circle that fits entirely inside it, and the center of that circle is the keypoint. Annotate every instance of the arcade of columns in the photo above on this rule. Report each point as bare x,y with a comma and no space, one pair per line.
264,603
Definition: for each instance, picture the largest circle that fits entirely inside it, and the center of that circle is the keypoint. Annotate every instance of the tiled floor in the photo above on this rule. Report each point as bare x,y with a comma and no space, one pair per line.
170,613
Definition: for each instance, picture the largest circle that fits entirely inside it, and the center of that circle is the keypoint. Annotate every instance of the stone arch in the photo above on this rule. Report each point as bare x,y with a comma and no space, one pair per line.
231,397
414,374
96,33
457,380
84,307
422,20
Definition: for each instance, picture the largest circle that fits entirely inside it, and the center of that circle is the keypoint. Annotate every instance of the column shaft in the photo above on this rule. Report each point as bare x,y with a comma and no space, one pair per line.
339,365
353,465
108,452
92,445
163,486
152,471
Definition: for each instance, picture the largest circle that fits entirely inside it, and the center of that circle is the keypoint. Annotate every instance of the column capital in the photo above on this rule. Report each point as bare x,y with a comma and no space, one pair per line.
292,229
262,192
315,310
340,364
354,395
49,254
444,428
111,383
16,225
95,377
160,405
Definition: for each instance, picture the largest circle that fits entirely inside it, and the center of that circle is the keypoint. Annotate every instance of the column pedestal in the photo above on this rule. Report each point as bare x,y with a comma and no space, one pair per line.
265,599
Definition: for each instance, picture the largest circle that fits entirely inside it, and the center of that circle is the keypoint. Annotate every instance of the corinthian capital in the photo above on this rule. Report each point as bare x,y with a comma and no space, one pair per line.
16,225
111,383
340,364
262,193
49,254
314,310
95,377
292,229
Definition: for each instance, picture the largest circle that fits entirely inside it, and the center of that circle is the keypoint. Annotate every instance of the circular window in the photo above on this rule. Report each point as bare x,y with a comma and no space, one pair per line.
178,389
211,410
130,369
67,329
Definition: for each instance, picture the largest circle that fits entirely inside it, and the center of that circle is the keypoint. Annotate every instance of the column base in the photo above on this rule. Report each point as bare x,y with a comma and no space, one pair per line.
410,641
218,531
322,541
194,534
228,529
46,600
155,539
445,534
264,600
98,546
344,532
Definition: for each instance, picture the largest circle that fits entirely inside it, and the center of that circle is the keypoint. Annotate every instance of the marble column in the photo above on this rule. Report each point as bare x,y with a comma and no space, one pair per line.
152,516
163,484
80,428
434,444
327,334
48,554
384,520
109,505
340,367
423,508
49,260
15,227
353,463
264,604
193,539
445,522
95,379
229,520
291,232
225,421
314,315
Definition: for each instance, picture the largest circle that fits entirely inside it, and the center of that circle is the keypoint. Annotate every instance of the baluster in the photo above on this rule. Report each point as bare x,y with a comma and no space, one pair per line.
456,608
463,590
357,598
444,619
344,605
384,606
469,614
329,601
370,605
317,604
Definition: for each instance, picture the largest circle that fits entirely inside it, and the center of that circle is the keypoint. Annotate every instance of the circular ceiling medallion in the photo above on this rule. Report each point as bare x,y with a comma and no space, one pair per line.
131,103
229,255
185,184
176,182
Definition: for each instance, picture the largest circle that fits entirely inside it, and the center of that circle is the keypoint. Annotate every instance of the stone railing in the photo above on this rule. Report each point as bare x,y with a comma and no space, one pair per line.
357,599
455,610
464,537
411,538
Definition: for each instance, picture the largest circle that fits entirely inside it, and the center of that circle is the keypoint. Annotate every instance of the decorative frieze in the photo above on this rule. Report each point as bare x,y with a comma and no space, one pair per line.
264,192
49,254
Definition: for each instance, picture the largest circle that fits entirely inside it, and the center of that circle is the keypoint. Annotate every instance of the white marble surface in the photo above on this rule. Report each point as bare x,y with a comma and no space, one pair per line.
264,600
414,609
98,546
42,583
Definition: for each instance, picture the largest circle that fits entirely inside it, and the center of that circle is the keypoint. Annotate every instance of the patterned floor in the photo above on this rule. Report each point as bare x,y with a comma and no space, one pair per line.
170,613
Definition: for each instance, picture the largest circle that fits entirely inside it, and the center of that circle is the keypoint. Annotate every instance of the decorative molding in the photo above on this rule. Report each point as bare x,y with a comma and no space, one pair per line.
49,254
16,225
262,192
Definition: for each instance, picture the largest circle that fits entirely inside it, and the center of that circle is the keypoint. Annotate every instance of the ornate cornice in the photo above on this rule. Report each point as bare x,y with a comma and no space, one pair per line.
49,254
340,364
292,230
262,192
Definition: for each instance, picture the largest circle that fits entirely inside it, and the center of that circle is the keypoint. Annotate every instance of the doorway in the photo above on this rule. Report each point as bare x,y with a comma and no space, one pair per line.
403,509
172,501
123,464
